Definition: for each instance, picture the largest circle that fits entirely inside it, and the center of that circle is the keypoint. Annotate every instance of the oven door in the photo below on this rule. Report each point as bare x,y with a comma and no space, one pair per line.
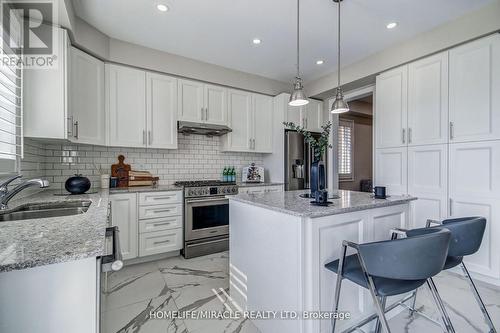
206,217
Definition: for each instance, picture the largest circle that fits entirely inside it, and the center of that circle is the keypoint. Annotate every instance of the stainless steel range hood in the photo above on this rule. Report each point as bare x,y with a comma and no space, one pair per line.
189,127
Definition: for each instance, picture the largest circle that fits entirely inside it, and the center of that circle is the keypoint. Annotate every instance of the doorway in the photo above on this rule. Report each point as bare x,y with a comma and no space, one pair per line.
355,146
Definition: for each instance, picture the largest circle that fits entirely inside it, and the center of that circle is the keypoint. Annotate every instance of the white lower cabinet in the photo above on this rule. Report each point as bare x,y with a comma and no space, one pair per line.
149,223
474,191
124,216
160,242
160,222
428,180
391,169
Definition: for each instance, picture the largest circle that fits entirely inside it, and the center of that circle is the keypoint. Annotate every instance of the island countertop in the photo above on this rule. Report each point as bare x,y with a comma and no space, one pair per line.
37,242
290,202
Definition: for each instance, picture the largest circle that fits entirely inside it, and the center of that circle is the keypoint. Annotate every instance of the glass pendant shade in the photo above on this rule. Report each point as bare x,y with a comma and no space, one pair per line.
339,105
298,97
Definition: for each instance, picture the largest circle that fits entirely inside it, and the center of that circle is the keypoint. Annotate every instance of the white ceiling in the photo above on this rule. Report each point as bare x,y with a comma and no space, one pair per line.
221,31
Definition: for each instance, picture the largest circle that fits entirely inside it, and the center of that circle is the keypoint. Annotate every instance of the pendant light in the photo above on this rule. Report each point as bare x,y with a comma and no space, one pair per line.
298,96
339,105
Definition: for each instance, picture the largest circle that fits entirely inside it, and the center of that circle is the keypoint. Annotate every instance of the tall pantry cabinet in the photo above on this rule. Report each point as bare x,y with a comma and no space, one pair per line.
437,137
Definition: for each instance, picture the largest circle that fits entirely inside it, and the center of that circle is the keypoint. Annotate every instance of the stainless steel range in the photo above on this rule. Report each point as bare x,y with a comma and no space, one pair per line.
206,216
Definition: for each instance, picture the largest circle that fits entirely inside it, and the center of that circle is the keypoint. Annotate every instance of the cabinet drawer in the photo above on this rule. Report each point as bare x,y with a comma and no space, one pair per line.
160,198
152,212
160,242
164,223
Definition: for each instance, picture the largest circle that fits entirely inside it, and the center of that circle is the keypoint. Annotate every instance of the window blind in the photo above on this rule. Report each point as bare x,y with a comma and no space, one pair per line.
345,153
11,115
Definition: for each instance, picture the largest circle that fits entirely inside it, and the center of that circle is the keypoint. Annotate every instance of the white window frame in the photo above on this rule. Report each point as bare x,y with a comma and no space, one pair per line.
346,177
12,91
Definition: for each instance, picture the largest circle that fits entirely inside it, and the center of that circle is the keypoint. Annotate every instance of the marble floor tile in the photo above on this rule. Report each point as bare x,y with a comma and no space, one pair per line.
132,284
135,318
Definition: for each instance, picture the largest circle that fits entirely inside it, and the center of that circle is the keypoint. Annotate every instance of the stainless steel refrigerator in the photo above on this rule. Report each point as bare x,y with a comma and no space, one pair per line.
298,159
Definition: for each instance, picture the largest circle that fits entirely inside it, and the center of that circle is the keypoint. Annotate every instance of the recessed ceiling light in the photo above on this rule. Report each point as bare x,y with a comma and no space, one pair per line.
162,8
256,41
391,25
320,62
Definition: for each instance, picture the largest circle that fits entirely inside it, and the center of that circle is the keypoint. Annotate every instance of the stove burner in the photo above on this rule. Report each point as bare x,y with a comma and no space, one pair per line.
196,183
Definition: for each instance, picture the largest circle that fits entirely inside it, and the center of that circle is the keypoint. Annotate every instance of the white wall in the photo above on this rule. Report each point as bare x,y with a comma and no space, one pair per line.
471,26
95,42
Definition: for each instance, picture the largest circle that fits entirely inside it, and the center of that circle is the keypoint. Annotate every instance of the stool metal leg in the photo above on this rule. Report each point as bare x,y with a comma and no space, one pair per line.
338,285
378,326
378,306
479,301
440,305
412,309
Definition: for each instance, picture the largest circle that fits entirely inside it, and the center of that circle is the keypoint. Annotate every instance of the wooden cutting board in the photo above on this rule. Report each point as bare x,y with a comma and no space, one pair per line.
120,171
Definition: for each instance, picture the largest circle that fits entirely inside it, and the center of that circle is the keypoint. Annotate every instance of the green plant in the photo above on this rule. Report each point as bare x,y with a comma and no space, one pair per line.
319,145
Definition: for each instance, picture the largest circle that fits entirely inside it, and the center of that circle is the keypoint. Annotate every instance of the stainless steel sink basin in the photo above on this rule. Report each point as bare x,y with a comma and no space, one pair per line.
43,210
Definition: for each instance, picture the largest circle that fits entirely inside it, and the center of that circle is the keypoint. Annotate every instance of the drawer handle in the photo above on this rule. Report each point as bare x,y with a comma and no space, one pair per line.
164,197
162,242
161,210
158,224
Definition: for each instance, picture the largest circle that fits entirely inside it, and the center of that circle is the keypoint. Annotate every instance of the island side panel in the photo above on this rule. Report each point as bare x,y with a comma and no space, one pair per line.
323,239
265,263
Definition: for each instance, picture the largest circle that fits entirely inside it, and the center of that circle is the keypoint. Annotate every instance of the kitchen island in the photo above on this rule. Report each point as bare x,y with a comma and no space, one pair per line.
279,244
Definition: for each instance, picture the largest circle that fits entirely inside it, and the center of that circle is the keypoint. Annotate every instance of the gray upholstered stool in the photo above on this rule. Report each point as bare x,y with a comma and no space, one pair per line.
391,267
466,237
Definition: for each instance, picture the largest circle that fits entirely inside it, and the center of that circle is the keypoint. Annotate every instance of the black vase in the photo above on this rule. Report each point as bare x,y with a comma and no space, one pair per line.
77,184
318,177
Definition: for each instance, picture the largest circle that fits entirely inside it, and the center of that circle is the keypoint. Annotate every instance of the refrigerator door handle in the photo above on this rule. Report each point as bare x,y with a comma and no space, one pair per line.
307,162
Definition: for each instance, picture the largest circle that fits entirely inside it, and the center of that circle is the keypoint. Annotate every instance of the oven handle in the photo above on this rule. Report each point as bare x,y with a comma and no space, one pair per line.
114,261
206,199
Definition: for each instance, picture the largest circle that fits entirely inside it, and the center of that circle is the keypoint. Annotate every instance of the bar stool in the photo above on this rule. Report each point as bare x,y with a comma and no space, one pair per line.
466,237
391,267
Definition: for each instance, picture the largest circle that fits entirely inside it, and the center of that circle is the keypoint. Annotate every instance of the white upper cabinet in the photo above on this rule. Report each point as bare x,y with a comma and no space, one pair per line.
45,96
126,106
391,108
215,98
191,105
240,120
86,99
141,108
312,115
161,117
263,119
251,121
428,100
201,102
475,90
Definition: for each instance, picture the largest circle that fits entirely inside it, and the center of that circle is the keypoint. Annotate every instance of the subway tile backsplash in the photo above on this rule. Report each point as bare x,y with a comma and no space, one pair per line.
197,157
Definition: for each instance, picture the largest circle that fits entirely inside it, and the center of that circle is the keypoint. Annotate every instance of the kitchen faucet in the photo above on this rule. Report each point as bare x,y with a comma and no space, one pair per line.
6,195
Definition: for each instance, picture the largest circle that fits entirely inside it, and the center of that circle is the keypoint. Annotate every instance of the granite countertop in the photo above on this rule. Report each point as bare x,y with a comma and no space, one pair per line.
258,184
137,189
291,203
37,242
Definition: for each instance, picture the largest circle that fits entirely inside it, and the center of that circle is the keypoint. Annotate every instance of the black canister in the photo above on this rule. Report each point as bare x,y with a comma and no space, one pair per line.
77,184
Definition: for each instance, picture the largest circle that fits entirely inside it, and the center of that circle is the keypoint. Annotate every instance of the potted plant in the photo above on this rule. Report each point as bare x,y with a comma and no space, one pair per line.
319,146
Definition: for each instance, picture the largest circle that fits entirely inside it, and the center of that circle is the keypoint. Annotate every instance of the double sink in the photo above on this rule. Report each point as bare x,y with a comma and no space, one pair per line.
45,209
